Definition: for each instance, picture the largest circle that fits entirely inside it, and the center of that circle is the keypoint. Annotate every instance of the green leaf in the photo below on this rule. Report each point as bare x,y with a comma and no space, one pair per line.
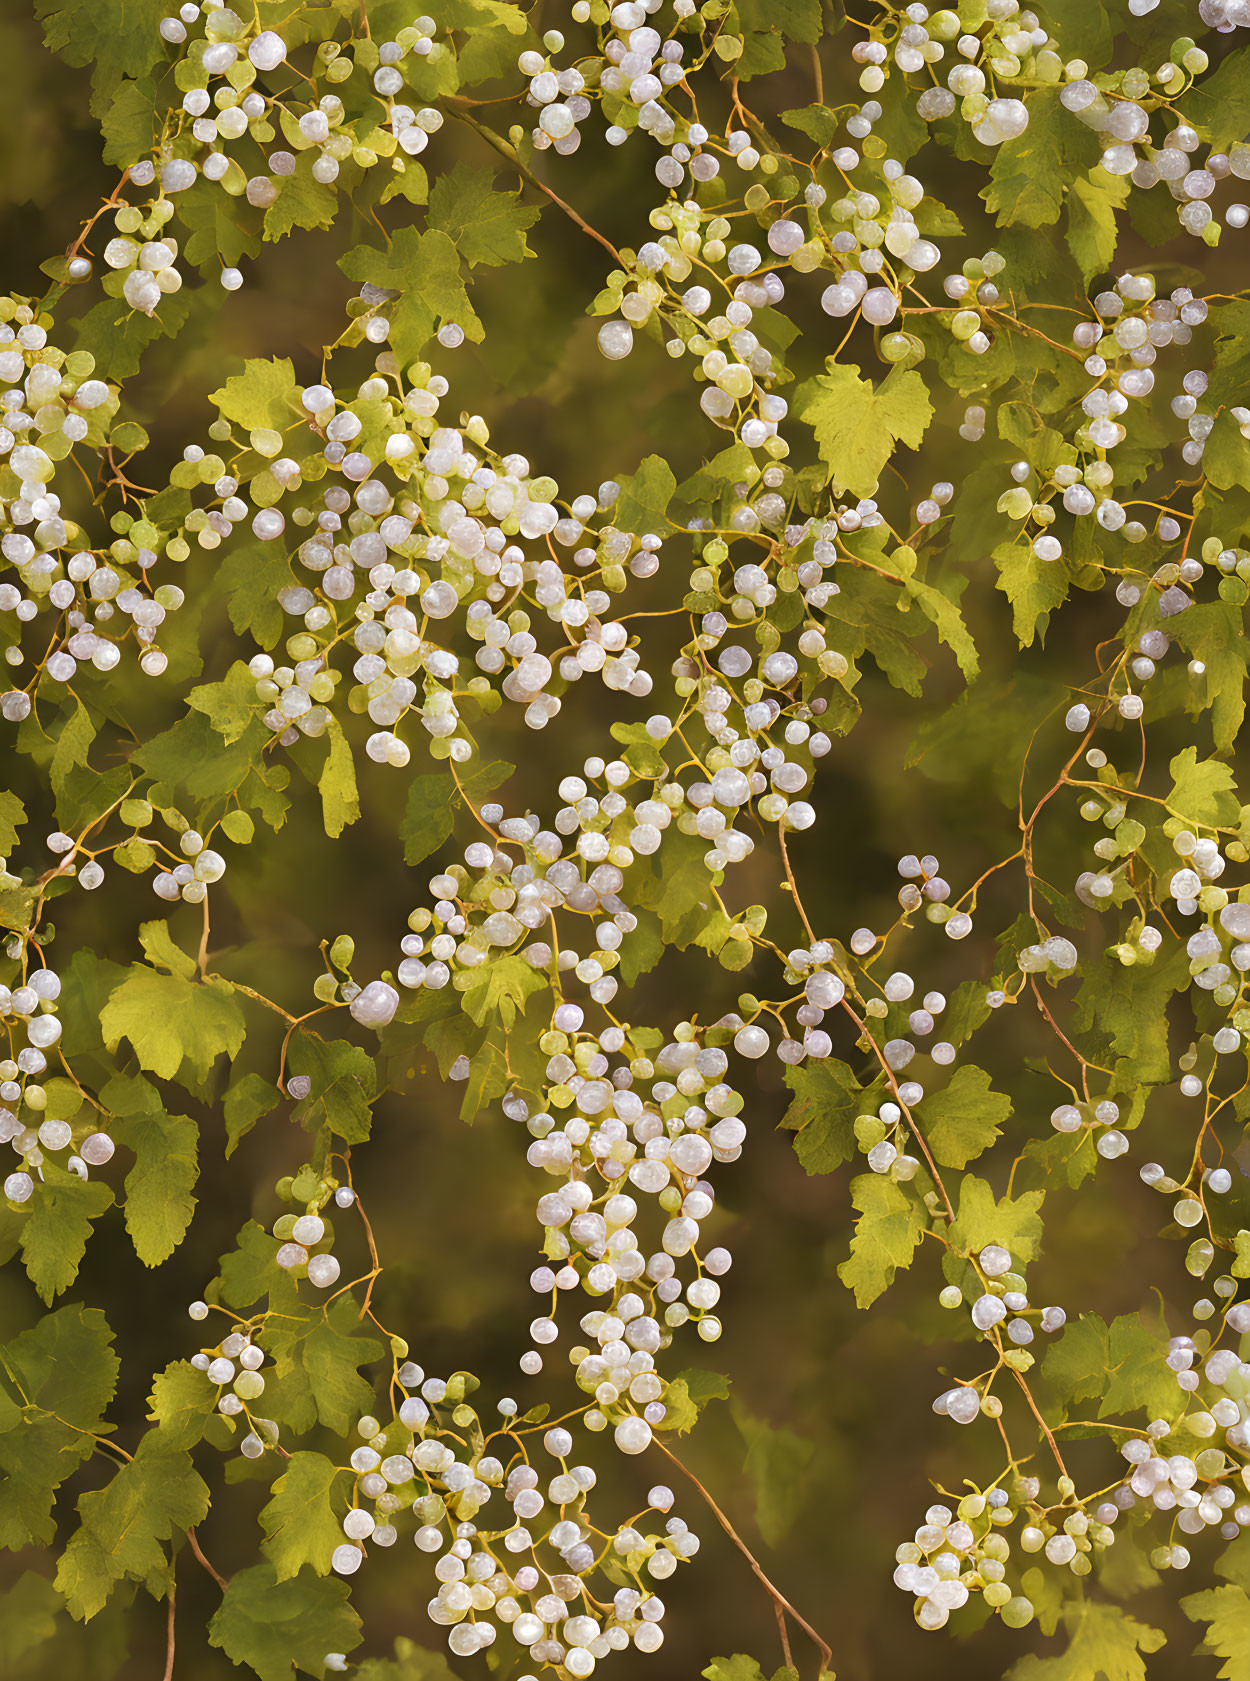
1226,458
72,746
117,40
55,1382
764,26
344,1084
1034,588
946,617
340,799
54,1234
244,1104
181,1404
857,424
161,951
887,1234
964,1118
128,123
1123,1362
1084,27
500,987
1204,794
487,224
123,1524
1226,1611
302,201
117,336
1028,175
159,1203
681,892
170,1020
254,575
249,1268
275,1627
687,1395
777,1463
817,122
1092,206
300,1523
231,705
1214,632
488,1073
262,397
428,815
1104,1644
425,269
328,1349
28,1613
12,816
645,495
410,1663
981,1219
827,1098
1124,1007
1219,105
219,230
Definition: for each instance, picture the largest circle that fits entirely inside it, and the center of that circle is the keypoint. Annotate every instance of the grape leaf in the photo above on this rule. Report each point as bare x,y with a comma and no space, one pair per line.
887,1234
425,269
123,1524
644,498
340,798
244,1104
276,1627
827,1098
1104,1644
1029,174
1092,205
857,424
12,816
1226,1611
170,1020
182,1402
1123,1363
500,987
487,224
55,1382
159,1203
981,1219
55,1232
964,1118
777,1463
1204,794
302,201
117,40
1034,588
344,1083
299,1522
262,396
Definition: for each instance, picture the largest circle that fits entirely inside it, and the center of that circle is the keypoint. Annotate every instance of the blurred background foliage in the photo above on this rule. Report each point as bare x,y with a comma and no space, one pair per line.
826,1450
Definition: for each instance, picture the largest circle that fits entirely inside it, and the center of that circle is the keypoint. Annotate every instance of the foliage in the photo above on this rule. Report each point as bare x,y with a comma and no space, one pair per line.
353,582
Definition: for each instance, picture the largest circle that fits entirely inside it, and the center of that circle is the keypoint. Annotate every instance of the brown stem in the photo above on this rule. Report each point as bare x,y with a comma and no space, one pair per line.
785,1637
780,1602
794,892
217,1576
169,1628
505,150
1046,1430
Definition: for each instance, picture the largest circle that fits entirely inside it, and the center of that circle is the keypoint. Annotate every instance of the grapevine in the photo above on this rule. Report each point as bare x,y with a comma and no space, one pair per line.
983,466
